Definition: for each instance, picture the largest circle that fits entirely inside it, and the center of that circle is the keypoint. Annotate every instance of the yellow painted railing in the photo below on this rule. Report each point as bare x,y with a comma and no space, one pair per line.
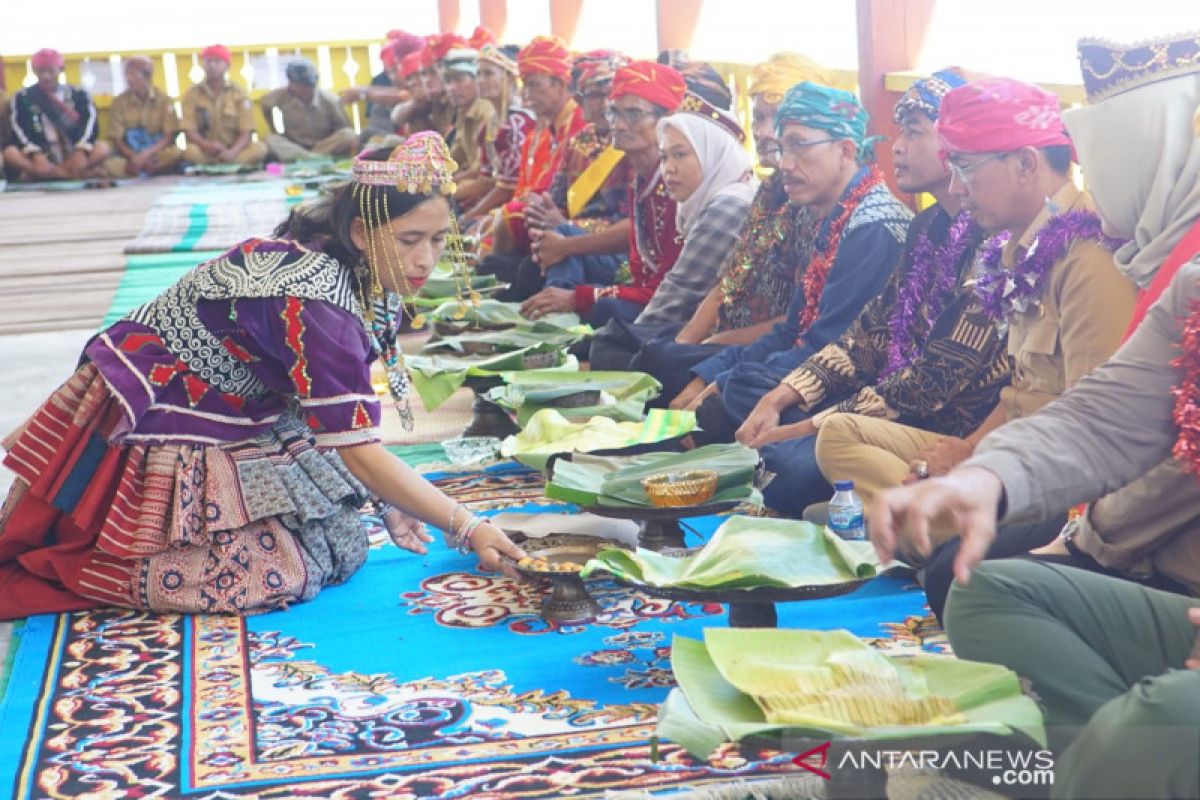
260,68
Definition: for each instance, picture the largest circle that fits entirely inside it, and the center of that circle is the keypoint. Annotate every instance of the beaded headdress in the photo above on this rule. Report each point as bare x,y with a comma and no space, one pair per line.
421,165
1110,68
695,104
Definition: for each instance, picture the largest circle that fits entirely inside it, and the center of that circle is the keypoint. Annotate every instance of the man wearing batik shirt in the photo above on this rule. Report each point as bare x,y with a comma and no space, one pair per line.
1048,279
759,276
923,351
642,93
54,128
827,163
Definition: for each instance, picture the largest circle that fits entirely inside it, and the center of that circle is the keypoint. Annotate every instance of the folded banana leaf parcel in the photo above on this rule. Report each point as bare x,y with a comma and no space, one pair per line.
518,337
617,480
443,286
748,553
490,313
436,376
577,395
548,433
798,684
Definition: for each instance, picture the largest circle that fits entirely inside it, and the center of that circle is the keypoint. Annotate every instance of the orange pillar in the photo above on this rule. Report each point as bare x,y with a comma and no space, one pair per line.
891,34
493,15
448,12
564,18
677,23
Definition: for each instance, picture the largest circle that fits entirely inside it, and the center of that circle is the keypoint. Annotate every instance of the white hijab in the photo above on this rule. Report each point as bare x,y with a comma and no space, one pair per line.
1141,154
725,164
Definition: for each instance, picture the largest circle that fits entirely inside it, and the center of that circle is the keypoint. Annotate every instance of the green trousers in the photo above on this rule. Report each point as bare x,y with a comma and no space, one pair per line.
1106,659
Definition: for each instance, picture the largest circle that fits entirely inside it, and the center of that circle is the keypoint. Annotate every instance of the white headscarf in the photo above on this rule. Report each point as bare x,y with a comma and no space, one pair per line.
1141,157
725,165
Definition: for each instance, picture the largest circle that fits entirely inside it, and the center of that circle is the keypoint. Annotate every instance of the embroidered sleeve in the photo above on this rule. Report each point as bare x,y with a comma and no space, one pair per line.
325,353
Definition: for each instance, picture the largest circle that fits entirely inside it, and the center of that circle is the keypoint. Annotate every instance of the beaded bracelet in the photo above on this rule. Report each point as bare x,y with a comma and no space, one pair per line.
463,543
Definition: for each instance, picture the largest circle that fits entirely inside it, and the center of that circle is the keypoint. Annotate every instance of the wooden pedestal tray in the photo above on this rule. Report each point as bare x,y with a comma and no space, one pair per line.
659,527
568,602
748,608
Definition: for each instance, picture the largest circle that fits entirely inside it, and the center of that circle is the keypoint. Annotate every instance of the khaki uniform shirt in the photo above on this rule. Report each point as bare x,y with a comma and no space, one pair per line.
467,125
1113,433
1086,306
305,123
155,113
221,117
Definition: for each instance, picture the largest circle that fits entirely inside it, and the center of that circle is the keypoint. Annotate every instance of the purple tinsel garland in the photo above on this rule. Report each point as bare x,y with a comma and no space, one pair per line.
1003,292
929,282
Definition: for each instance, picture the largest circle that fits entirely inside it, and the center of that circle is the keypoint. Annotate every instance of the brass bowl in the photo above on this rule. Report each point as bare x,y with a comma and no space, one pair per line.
676,489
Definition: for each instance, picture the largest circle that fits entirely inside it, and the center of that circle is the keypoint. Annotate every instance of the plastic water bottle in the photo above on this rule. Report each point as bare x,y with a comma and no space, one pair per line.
846,512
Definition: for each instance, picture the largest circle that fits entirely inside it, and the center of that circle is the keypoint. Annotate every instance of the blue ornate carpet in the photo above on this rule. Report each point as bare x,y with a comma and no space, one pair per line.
420,677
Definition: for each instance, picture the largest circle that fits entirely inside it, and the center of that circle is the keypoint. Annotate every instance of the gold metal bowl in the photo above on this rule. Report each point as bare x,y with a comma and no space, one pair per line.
676,489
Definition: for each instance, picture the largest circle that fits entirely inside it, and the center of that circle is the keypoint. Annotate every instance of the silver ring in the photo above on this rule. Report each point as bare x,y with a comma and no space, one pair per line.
921,469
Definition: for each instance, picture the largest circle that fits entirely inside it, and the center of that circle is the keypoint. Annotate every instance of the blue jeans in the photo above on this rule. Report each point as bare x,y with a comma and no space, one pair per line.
607,308
592,270
798,481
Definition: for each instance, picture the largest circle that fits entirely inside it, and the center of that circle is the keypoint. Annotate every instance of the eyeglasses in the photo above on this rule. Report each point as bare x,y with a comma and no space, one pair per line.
962,172
793,148
594,94
632,117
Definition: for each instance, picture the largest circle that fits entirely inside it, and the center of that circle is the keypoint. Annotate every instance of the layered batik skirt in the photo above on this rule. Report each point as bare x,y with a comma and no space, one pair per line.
238,528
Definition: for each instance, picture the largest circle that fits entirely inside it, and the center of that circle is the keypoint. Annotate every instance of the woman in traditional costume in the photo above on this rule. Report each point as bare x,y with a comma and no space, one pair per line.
213,449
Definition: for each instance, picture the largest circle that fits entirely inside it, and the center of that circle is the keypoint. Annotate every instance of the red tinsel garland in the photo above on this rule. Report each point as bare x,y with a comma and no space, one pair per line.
818,268
1187,393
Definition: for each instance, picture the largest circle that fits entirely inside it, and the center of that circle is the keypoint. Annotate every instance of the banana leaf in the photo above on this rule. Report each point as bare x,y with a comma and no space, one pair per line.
520,337
436,377
623,395
494,312
549,432
831,684
617,480
747,553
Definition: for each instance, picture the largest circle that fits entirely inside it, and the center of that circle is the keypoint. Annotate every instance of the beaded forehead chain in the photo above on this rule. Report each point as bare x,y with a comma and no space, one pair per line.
421,165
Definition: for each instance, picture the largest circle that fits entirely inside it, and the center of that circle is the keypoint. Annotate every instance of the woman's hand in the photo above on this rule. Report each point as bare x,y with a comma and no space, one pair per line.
549,248
490,543
406,532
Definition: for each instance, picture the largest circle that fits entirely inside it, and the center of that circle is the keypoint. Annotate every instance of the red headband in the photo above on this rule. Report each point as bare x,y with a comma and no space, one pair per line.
410,64
545,55
997,115
216,51
649,80
443,44
47,58
479,37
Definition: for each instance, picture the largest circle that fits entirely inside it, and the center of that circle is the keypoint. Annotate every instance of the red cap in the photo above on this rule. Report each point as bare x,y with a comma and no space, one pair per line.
216,51
47,58
444,44
545,55
479,37
649,80
410,64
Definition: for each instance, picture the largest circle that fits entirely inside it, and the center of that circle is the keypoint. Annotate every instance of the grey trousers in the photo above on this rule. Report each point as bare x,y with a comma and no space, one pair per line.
1106,658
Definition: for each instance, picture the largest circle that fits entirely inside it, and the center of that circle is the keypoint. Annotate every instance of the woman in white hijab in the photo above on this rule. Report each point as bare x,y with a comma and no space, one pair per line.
709,175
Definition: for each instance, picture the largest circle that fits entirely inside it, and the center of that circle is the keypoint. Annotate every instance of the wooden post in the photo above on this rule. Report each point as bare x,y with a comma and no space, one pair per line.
677,23
493,15
448,13
564,18
891,34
